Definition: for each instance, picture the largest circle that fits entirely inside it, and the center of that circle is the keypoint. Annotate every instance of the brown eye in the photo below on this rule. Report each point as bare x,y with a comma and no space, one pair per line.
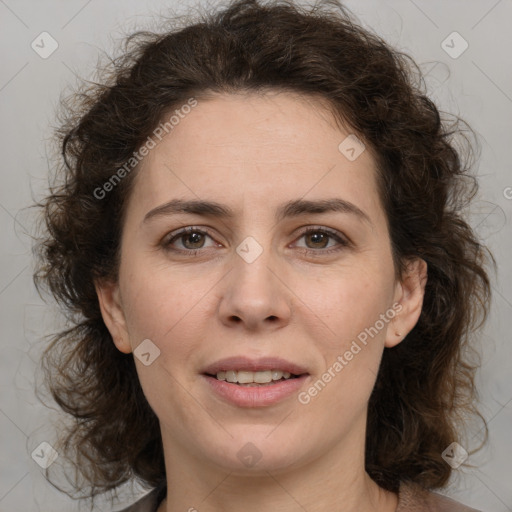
187,240
317,241
194,240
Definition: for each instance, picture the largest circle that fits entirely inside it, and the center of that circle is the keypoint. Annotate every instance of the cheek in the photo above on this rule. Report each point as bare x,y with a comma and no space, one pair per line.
173,308
157,300
346,325
344,303
163,306
356,312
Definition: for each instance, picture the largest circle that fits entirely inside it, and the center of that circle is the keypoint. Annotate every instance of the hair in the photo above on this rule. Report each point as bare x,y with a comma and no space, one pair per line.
425,385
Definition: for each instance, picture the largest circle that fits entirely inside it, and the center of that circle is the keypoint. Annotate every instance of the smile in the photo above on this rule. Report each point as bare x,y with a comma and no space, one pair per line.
248,378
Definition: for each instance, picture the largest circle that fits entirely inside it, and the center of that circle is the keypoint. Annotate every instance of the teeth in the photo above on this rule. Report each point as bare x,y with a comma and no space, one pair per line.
277,374
246,377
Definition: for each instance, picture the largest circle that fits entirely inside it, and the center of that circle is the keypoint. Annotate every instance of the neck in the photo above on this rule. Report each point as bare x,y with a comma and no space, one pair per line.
335,480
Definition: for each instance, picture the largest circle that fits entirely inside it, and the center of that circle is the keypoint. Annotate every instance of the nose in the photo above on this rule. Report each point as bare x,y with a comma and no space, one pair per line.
254,294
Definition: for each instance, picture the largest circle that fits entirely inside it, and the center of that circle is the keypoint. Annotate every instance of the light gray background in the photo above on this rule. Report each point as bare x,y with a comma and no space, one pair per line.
476,85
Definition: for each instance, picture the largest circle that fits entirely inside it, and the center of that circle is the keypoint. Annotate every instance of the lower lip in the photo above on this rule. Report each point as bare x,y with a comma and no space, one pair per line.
256,396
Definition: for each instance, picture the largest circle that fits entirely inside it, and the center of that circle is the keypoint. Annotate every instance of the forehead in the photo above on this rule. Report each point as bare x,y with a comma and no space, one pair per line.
259,147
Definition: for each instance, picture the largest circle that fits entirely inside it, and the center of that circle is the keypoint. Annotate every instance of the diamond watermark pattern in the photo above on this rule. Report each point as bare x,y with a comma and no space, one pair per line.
249,249
44,45
454,45
455,455
44,455
146,352
351,147
249,455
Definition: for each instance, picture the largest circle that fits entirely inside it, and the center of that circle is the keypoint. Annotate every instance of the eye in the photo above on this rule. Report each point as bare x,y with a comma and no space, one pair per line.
191,240
317,240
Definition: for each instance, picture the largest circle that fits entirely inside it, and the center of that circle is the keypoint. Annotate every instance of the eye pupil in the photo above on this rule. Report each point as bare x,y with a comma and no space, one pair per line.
318,238
194,238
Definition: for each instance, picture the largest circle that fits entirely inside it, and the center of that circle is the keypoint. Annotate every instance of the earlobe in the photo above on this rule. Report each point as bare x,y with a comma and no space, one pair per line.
113,314
409,294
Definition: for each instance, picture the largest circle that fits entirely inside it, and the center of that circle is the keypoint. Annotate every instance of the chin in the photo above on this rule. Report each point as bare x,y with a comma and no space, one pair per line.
259,454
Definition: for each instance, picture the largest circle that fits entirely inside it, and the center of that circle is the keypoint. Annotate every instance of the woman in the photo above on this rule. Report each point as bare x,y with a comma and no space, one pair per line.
259,230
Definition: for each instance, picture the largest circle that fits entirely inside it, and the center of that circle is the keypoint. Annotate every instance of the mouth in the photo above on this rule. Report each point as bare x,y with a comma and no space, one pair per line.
252,379
246,382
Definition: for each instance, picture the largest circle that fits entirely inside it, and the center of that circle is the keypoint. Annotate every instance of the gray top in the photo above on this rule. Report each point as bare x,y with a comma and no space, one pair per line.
148,503
411,498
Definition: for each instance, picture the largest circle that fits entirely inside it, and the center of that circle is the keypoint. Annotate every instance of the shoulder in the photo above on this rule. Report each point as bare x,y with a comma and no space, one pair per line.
414,498
411,498
148,503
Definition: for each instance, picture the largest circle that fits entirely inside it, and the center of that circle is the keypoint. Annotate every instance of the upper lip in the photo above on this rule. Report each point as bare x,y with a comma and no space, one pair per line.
245,363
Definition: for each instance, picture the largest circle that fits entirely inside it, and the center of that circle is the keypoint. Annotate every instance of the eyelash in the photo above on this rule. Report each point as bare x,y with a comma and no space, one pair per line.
343,242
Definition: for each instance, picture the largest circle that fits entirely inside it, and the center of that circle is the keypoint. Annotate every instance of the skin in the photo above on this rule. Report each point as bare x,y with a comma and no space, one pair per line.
252,153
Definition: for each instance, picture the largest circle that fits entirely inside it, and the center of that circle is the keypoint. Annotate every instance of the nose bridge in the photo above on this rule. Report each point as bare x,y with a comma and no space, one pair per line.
253,294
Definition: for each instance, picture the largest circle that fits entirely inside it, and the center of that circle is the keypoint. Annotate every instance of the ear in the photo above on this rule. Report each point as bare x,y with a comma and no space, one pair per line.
113,315
409,293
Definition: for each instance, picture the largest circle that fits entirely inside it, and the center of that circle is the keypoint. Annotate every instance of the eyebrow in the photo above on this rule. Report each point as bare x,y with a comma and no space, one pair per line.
290,209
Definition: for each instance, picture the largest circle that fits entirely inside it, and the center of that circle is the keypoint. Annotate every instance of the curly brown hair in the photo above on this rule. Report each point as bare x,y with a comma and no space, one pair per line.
425,384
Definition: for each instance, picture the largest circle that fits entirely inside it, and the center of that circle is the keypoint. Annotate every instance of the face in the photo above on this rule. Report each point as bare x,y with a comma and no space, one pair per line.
289,269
